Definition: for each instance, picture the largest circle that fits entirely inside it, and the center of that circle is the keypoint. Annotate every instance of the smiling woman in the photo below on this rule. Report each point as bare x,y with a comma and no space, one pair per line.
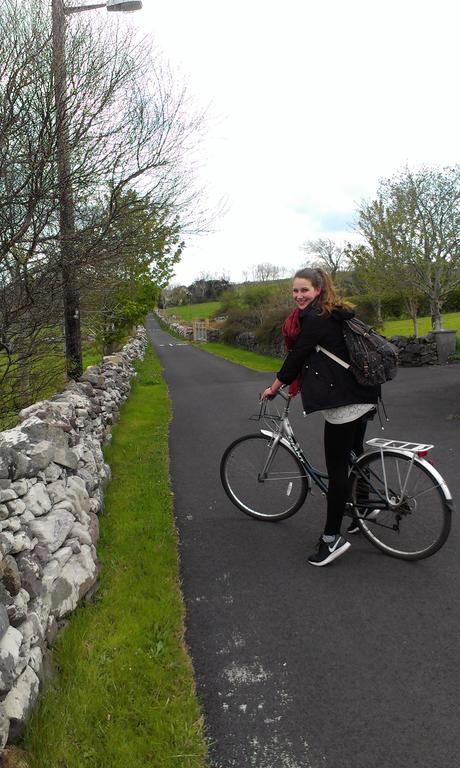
303,292
314,324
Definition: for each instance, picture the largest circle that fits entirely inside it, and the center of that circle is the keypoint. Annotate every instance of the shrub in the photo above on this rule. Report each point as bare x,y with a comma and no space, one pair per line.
452,303
239,319
269,334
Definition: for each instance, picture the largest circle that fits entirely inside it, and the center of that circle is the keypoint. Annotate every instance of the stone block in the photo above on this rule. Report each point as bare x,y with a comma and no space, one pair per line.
22,542
12,524
77,577
6,542
4,467
65,457
38,431
9,574
40,454
4,620
19,465
17,611
19,702
81,533
53,472
37,500
94,528
30,569
16,507
36,661
52,529
10,646
8,495
63,554
20,487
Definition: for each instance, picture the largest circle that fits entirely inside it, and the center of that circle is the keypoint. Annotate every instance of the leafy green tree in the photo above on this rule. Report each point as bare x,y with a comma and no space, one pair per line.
414,227
134,261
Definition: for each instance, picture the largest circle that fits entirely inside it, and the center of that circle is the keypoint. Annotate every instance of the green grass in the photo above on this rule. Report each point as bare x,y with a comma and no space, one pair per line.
190,312
124,693
450,321
253,360
92,354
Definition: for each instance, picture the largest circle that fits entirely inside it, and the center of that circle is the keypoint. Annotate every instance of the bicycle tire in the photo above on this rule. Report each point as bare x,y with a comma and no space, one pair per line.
273,498
420,525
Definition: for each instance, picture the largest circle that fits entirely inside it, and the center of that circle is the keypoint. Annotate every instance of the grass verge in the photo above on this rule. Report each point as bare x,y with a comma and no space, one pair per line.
253,360
124,692
190,312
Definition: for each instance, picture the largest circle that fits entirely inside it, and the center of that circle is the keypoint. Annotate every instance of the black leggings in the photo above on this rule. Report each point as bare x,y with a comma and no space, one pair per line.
339,441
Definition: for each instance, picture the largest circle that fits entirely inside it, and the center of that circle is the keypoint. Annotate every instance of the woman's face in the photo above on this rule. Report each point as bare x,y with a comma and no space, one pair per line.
303,292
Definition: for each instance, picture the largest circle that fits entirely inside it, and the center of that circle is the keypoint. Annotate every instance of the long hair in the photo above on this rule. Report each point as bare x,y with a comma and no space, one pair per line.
328,298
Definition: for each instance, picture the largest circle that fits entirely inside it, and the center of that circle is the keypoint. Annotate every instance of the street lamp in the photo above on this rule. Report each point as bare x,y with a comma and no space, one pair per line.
71,293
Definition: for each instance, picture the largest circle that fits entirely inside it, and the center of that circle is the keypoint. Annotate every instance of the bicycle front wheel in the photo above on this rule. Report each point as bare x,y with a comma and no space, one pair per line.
265,481
416,521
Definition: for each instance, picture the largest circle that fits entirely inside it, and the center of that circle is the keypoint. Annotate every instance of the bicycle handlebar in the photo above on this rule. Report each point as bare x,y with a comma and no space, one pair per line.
279,392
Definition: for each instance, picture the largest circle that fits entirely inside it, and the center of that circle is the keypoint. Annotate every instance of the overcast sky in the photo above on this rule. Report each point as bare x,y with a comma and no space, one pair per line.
310,103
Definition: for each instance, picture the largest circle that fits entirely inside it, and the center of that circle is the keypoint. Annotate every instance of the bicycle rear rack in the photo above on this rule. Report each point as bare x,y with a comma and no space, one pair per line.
380,442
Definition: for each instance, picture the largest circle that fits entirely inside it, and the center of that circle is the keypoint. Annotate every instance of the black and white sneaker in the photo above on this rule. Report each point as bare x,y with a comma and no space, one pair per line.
327,552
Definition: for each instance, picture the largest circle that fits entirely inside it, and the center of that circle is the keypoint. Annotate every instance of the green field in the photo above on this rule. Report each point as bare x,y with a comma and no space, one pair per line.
190,312
451,321
123,695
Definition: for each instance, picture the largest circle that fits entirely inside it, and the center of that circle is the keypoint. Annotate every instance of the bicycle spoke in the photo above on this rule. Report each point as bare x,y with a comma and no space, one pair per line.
264,480
406,514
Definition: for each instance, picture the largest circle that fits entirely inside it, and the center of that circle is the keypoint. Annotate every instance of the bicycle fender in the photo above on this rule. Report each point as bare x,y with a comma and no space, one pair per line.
282,440
429,467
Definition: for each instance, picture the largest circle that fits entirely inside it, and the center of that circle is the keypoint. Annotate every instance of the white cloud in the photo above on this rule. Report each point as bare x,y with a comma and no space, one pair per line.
312,103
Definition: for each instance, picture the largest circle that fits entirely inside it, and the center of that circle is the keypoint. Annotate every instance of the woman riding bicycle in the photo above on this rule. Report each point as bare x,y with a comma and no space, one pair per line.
326,386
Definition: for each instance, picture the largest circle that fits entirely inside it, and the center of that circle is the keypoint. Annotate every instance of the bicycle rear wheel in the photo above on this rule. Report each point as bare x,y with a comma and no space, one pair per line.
264,481
419,522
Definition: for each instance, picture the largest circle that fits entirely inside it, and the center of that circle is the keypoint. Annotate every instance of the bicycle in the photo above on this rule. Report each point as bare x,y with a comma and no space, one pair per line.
402,504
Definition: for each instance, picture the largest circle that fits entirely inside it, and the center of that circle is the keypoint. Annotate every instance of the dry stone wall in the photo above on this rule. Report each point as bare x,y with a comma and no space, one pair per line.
172,322
414,351
52,477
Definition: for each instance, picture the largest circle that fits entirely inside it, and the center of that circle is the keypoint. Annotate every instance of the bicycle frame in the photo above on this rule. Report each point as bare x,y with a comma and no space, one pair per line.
284,433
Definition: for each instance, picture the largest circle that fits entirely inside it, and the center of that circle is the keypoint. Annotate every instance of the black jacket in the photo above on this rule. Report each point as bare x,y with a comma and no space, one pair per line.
325,383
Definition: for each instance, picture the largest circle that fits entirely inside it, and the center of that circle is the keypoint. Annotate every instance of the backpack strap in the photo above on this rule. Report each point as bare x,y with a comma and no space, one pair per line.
332,356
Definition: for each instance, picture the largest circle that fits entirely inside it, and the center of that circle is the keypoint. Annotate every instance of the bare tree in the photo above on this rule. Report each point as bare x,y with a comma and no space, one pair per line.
129,127
325,253
265,271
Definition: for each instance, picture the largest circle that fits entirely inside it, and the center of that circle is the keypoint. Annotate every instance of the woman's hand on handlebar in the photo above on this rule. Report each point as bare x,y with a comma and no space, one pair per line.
270,392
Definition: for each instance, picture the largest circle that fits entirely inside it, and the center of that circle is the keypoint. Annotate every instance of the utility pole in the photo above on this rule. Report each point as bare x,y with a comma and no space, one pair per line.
68,261
69,273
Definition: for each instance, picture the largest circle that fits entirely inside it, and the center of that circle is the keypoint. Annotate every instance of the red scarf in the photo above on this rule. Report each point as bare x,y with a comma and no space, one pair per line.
291,330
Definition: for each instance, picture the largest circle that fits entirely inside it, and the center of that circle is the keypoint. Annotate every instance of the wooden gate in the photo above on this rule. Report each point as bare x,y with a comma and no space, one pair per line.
200,330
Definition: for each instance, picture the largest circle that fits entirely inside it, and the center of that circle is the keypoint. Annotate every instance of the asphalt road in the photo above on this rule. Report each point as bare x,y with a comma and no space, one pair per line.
355,665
